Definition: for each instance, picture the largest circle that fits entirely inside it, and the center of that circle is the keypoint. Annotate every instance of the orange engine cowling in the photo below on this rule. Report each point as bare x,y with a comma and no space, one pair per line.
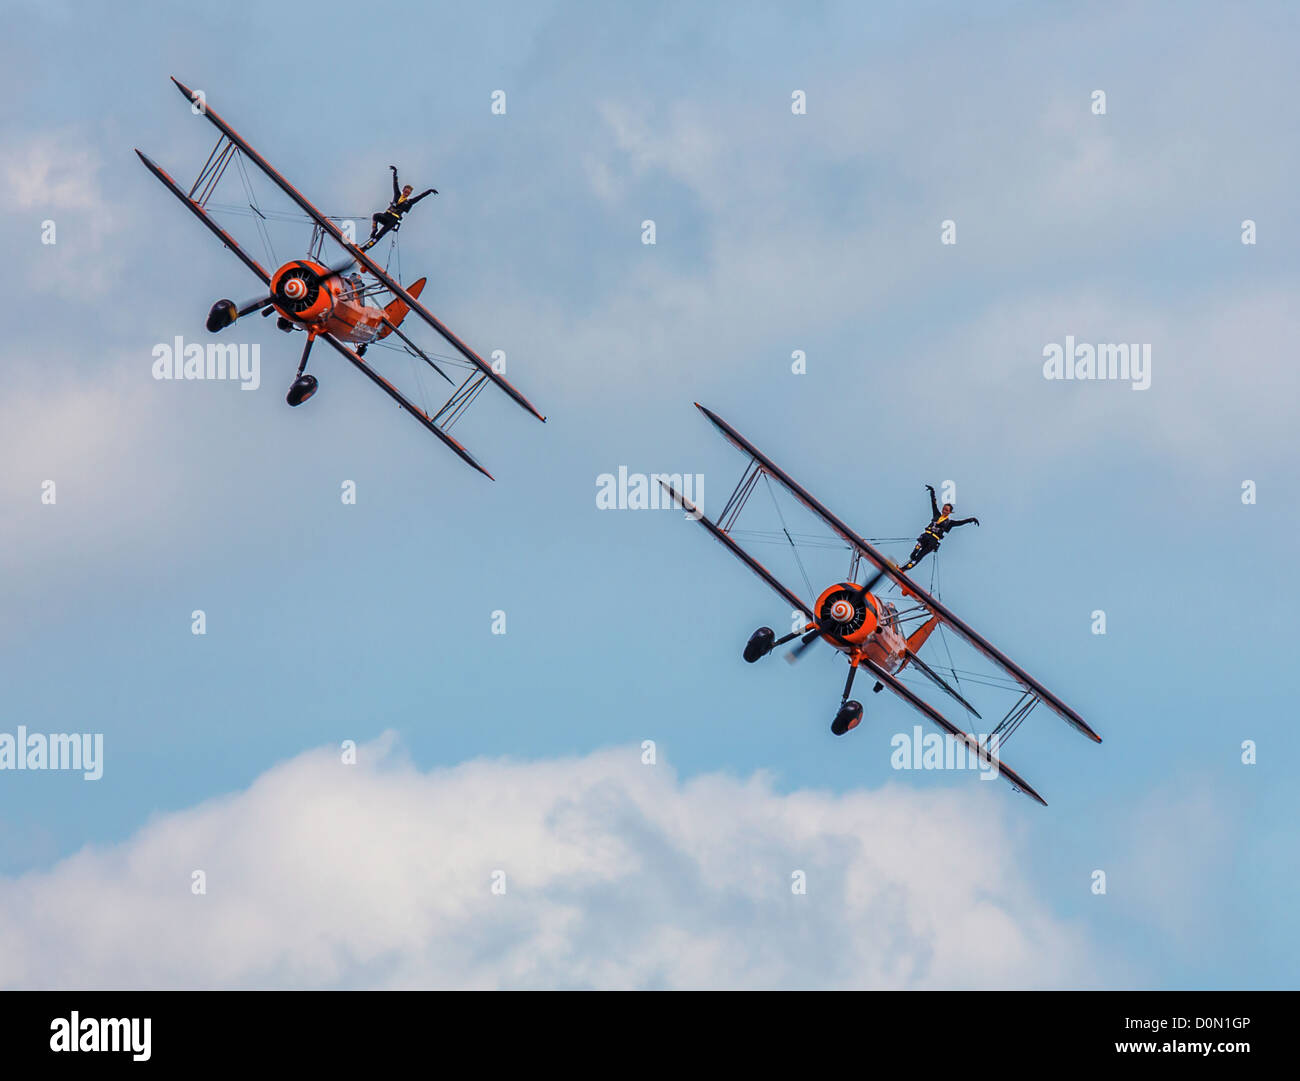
304,291
853,618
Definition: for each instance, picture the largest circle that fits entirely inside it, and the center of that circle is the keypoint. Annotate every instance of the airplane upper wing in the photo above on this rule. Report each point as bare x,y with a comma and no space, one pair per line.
973,745
939,609
364,259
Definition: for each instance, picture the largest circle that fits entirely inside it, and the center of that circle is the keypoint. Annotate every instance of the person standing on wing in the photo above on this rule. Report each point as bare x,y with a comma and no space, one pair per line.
940,522
391,218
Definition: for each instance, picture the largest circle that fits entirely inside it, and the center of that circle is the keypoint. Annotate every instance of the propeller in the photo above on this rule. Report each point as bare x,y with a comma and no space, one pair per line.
828,623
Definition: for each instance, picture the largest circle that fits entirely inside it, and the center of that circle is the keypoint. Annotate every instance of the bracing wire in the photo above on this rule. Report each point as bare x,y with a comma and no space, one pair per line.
785,529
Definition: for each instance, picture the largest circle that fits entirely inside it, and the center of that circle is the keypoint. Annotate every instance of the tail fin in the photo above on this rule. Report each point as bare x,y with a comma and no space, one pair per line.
396,311
917,638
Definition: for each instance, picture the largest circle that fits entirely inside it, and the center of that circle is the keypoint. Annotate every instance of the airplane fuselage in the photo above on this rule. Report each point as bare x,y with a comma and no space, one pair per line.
869,627
304,293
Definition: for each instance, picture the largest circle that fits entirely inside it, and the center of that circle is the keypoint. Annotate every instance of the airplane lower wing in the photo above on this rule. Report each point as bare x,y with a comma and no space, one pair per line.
206,219
987,648
940,682
740,553
972,745
380,274
409,406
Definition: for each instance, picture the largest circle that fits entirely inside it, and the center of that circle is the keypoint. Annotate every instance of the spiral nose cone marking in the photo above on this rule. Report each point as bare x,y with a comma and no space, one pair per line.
841,611
295,289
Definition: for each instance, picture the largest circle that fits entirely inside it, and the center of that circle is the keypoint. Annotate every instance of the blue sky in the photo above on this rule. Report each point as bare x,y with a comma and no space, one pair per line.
775,233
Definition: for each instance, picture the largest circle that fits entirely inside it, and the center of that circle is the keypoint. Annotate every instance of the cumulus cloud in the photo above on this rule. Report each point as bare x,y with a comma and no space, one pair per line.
617,874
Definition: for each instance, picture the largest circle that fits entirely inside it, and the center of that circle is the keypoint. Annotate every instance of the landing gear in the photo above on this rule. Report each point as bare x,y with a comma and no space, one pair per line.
760,644
223,313
303,388
305,385
849,717
764,640
850,714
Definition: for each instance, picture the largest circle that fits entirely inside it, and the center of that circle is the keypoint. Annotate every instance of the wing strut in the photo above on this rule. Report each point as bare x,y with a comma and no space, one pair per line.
1006,728
740,496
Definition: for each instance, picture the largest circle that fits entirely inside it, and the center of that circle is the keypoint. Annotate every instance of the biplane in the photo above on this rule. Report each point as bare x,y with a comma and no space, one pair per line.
867,627
328,302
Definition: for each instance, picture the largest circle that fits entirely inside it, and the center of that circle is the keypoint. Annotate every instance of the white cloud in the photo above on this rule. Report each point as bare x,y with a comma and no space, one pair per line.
102,438
618,875
55,176
1223,384
52,171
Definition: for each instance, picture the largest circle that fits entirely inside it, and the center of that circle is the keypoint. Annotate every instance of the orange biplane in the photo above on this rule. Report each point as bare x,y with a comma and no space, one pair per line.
328,302
867,628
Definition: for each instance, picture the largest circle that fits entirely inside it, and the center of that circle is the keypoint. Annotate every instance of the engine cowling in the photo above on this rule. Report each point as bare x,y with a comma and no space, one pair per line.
304,291
851,617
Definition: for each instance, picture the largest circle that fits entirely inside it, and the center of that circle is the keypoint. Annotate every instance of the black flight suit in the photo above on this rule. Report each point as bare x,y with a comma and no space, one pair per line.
938,528
391,218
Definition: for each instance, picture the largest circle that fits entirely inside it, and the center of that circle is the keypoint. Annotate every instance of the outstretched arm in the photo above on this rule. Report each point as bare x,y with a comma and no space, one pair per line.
964,521
934,506
416,198
397,192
